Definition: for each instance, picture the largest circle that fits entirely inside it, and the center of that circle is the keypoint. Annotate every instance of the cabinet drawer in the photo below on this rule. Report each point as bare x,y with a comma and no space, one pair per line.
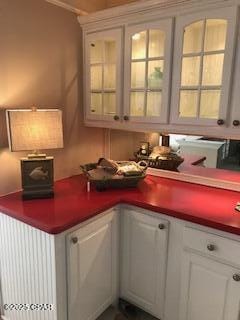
213,245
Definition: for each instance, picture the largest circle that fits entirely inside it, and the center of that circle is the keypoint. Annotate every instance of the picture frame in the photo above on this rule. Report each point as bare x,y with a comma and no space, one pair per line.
144,149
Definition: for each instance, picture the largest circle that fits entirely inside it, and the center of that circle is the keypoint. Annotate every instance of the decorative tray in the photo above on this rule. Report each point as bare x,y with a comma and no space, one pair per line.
166,162
104,177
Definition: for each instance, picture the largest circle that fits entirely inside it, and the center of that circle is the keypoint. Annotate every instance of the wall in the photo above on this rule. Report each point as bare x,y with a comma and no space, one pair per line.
113,3
40,63
124,143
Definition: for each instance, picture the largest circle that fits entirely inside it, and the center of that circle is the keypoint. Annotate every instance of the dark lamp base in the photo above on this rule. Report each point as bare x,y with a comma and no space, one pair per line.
37,194
37,178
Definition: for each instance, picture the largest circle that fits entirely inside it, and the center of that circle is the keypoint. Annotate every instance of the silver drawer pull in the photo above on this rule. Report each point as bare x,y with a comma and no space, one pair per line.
236,277
211,247
74,240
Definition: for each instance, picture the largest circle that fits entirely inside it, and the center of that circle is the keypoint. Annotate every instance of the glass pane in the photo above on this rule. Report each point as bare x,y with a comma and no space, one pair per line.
215,36
138,75
155,74
190,71
137,104
212,69
154,104
209,106
109,103
96,51
188,103
96,78
110,51
156,43
110,76
193,36
96,103
139,45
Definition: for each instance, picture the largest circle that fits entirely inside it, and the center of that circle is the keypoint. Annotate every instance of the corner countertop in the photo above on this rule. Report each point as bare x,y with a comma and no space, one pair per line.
72,204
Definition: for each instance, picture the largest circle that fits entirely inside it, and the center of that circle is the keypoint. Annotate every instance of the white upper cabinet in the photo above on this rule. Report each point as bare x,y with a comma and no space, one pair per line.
175,70
147,71
235,116
103,68
203,61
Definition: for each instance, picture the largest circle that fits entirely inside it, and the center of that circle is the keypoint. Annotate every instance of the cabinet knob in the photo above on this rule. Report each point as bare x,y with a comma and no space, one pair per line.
116,118
161,226
220,122
236,123
74,240
236,277
211,247
126,118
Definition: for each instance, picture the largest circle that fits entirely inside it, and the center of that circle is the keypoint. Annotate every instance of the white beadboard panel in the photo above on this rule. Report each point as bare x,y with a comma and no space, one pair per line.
27,269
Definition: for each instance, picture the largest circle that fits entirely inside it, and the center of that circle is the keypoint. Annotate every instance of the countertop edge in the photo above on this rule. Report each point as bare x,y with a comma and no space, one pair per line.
168,212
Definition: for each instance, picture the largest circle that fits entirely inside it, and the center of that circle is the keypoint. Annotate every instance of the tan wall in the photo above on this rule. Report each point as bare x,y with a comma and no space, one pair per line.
113,3
40,63
124,143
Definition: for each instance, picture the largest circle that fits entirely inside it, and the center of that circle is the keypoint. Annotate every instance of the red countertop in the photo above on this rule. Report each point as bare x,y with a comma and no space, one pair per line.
72,204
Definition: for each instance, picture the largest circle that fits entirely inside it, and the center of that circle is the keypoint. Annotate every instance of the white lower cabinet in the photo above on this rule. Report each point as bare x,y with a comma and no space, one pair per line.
209,290
210,285
144,242
92,268
77,271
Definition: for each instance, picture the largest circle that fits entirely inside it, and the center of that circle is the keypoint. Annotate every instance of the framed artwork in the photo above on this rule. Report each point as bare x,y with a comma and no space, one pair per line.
144,148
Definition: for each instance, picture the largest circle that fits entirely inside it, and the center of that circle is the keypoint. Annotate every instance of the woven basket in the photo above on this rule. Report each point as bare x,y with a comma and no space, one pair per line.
110,182
171,163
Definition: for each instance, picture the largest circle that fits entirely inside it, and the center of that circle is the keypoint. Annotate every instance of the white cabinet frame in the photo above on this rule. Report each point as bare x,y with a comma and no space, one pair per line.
163,25
229,14
115,34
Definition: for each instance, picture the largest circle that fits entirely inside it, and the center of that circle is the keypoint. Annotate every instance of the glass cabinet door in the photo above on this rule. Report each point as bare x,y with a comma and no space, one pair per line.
147,68
204,48
103,75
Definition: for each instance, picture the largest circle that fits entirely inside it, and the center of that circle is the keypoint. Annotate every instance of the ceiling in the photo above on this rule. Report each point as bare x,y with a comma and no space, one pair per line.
88,6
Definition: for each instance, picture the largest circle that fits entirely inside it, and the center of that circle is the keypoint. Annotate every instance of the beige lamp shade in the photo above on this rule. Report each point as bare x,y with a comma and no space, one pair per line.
34,130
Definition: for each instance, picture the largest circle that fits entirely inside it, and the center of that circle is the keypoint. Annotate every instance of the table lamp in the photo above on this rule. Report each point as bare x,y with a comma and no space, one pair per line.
34,130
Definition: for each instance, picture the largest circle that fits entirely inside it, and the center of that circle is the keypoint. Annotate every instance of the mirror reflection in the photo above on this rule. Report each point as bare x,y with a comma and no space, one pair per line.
219,153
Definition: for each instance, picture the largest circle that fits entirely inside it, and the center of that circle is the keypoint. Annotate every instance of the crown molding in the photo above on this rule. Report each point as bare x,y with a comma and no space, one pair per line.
68,7
144,6
131,8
